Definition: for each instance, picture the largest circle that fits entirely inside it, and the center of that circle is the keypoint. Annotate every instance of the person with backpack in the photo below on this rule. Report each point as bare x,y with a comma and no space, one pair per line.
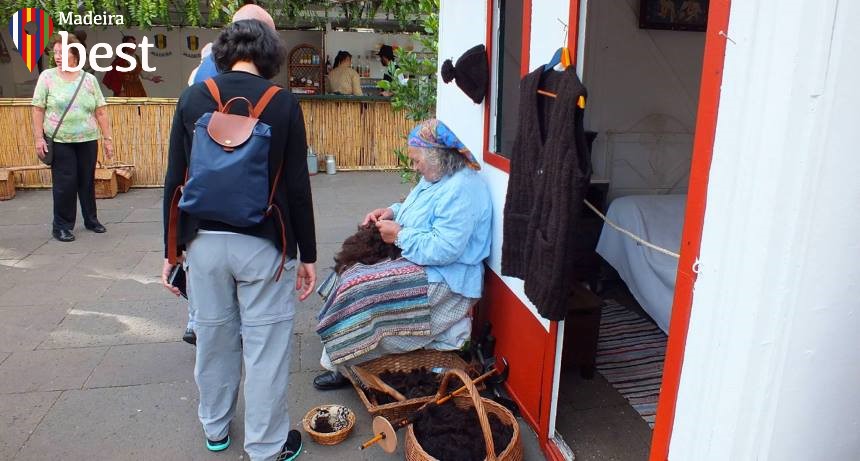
238,207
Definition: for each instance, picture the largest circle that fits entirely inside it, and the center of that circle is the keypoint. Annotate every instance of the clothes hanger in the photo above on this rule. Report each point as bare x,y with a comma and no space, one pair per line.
560,61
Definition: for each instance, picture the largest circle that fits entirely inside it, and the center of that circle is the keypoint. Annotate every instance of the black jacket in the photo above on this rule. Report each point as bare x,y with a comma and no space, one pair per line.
288,142
550,171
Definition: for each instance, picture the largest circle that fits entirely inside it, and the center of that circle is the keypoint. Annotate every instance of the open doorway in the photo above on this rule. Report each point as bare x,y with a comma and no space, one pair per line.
643,100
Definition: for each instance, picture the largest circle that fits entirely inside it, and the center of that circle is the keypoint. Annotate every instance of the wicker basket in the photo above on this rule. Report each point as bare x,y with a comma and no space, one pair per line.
124,179
7,185
409,361
513,452
328,438
106,186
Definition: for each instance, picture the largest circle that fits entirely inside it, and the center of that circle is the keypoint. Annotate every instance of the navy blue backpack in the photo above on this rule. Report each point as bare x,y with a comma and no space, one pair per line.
228,174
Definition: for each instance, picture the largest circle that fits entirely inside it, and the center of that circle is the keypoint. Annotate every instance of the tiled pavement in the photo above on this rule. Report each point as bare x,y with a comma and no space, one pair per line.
91,366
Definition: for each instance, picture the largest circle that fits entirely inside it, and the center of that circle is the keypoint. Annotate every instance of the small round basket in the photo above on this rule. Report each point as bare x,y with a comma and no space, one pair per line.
341,418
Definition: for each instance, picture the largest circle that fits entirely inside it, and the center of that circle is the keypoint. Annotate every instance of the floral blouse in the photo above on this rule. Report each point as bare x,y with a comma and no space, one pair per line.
53,94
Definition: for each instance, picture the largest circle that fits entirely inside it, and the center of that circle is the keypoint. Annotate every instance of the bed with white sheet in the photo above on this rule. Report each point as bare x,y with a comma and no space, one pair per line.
650,275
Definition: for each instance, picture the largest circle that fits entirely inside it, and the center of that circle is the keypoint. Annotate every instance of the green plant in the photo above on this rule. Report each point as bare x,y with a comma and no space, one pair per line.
407,173
413,84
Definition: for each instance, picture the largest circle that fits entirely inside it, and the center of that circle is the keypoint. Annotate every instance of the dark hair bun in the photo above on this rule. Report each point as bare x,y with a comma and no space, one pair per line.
448,71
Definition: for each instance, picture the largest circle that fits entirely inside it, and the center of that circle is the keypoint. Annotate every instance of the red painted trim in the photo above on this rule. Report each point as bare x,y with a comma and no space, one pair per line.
521,340
703,147
573,30
489,46
526,38
492,158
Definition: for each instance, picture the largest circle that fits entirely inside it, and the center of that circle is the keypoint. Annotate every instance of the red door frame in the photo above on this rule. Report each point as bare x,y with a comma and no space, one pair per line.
703,144
691,237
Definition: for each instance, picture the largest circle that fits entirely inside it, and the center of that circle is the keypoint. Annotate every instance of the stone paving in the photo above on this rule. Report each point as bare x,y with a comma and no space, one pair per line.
91,364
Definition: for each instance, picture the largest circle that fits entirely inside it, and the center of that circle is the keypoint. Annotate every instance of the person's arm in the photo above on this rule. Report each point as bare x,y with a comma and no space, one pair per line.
102,117
298,186
177,162
40,101
179,145
299,201
455,220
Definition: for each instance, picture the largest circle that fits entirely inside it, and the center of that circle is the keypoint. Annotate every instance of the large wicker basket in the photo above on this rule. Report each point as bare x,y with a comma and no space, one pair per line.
105,182
7,185
404,363
513,452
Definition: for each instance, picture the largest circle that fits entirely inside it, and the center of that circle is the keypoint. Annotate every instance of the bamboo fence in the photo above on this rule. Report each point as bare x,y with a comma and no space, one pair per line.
361,134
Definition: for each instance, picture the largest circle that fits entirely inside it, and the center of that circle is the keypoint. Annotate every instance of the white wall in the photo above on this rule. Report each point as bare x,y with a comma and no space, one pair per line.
771,364
643,93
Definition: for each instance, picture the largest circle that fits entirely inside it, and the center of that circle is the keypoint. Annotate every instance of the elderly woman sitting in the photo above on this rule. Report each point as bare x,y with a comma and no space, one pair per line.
443,226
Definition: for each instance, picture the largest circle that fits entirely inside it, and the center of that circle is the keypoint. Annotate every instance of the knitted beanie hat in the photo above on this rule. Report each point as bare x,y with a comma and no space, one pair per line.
471,73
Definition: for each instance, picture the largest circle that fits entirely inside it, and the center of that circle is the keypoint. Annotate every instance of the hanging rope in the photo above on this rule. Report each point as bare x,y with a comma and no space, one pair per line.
631,234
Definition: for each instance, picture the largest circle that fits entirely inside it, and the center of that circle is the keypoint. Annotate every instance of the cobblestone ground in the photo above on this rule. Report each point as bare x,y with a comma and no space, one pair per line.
91,362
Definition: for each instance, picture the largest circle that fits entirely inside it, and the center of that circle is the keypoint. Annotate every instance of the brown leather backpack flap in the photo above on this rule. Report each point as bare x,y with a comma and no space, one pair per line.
230,131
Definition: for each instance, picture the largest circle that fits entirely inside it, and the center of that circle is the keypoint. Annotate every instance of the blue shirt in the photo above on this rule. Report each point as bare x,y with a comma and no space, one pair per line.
447,228
206,70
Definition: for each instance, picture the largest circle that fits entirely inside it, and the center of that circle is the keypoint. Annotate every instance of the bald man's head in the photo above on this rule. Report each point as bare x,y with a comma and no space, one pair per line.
254,12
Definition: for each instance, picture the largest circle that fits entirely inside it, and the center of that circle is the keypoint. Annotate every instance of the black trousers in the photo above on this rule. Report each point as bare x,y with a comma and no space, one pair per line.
73,171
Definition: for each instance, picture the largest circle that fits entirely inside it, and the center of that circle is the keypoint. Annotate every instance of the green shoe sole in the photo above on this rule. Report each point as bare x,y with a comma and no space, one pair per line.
219,445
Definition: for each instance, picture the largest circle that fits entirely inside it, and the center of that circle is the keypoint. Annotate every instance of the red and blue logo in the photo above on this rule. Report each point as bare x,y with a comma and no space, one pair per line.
31,30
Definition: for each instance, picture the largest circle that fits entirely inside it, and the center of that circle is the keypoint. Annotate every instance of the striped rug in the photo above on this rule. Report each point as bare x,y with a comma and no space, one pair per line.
630,355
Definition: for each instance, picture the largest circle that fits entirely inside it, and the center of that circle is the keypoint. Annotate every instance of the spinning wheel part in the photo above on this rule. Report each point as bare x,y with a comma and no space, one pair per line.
383,428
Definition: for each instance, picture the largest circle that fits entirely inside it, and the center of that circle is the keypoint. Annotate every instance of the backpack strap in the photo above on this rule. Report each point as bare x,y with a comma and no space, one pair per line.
264,101
216,95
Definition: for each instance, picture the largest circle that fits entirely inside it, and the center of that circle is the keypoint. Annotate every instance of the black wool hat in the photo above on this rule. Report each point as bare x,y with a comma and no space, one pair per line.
471,73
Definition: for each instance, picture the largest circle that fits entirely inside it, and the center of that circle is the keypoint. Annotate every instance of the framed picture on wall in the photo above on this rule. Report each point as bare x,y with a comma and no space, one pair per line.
673,14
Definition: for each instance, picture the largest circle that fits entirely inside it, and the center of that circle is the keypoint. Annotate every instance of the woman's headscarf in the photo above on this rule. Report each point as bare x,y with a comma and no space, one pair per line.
434,134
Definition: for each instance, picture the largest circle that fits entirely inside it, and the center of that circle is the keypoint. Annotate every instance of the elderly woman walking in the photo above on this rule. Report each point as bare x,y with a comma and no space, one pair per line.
443,226
69,108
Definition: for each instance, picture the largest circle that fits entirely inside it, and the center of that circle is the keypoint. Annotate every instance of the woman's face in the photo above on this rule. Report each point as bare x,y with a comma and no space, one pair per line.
58,56
419,163
347,62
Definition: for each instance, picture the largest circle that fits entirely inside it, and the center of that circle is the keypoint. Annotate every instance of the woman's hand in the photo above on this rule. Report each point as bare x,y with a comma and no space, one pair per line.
165,275
108,145
377,214
306,280
388,230
41,148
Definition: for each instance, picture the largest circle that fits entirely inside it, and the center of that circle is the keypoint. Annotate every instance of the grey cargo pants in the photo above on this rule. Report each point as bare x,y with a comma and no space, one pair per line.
231,286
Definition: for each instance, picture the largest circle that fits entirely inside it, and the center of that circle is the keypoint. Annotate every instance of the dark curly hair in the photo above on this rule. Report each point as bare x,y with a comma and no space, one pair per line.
366,247
249,40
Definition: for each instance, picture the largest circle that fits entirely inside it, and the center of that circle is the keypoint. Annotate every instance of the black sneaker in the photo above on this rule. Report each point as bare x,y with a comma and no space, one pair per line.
292,447
190,337
218,445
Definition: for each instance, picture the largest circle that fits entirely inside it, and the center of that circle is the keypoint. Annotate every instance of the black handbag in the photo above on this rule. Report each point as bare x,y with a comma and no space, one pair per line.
49,140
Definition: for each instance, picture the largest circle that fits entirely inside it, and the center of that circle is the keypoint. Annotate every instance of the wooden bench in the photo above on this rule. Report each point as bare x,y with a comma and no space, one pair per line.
7,179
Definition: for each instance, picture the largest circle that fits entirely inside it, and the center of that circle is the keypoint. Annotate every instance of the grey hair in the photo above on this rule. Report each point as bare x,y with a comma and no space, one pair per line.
444,161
